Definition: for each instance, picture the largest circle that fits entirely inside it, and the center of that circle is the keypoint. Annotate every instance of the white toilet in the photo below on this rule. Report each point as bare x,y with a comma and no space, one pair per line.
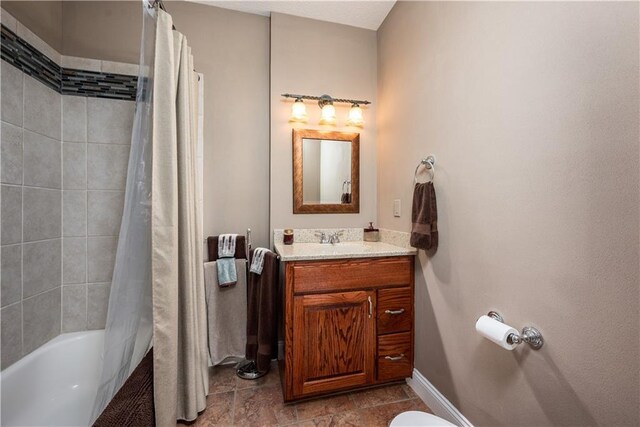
418,419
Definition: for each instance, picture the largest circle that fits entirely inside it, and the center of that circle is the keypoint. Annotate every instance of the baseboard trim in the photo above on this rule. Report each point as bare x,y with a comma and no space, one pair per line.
436,400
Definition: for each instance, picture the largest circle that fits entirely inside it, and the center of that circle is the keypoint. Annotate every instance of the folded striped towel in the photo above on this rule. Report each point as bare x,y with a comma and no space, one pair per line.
257,264
227,274
227,245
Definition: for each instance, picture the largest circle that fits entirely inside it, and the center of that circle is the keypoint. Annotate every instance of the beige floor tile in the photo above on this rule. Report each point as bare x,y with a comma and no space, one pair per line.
407,389
316,422
260,403
378,416
379,396
324,406
222,379
262,406
219,410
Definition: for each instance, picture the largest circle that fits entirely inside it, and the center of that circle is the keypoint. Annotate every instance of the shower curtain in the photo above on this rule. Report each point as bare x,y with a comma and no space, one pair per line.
157,290
179,316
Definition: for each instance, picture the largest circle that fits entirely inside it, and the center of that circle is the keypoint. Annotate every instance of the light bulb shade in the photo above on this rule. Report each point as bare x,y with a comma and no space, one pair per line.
298,111
328,116
355,116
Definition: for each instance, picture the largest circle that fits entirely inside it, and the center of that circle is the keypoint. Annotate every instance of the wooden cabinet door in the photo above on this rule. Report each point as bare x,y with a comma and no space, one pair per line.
333,341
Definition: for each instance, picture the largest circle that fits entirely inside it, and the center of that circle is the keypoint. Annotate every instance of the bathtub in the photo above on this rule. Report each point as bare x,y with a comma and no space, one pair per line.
56,384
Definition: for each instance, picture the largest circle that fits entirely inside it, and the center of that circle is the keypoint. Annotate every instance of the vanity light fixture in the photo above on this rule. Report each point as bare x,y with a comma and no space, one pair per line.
299,111
328,115
355,116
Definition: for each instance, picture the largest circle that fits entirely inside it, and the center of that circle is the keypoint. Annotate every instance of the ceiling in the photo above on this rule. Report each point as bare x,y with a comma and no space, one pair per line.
358,13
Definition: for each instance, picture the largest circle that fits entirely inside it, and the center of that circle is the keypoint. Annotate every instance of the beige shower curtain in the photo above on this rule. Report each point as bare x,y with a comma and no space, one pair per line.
179,330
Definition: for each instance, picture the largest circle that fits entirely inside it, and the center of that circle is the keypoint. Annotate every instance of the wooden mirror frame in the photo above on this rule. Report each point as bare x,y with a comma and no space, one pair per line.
299,207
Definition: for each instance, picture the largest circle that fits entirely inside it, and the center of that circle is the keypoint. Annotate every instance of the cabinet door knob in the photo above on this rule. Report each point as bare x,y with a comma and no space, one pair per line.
394,311
394,358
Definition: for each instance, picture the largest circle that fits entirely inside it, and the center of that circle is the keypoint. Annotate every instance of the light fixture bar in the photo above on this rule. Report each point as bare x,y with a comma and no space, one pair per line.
320,98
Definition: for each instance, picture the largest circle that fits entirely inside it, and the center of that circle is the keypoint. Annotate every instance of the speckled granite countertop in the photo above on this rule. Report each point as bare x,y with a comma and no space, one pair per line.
317,251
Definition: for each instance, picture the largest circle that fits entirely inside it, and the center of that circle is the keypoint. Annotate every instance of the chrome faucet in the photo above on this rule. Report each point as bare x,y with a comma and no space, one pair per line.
335,237
332,238
323,237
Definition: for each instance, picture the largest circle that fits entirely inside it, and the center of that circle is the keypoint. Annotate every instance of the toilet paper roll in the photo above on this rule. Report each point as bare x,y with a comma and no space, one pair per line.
495,331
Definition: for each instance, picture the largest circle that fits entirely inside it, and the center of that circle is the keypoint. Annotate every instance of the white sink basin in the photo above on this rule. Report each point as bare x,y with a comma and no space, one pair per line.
344,247
312,251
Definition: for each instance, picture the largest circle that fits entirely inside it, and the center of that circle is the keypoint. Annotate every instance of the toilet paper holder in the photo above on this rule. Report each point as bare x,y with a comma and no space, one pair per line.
529,334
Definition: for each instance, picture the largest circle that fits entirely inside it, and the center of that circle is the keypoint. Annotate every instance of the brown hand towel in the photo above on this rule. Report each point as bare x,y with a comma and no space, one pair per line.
261,312
212,247
424,218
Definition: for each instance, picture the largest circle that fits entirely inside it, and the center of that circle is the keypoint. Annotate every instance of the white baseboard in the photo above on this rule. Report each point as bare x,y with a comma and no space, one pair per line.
436,401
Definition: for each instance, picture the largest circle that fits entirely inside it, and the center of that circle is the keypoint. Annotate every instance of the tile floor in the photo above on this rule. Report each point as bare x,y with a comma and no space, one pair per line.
234,401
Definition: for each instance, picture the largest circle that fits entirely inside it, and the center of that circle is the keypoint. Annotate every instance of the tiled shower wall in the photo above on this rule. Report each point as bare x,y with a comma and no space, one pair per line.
95,150
31,214
63,171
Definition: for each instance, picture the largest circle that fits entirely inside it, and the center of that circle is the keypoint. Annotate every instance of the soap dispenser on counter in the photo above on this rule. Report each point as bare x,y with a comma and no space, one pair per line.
371,234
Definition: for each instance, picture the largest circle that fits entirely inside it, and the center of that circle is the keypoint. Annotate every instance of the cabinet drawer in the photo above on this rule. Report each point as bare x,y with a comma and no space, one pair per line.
395,356
395,310
335,275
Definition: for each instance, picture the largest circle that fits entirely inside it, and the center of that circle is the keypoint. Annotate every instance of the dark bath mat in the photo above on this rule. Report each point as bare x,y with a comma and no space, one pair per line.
132,406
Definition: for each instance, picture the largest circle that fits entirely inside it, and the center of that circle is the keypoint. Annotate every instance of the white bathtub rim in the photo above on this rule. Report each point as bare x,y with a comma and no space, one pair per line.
58,341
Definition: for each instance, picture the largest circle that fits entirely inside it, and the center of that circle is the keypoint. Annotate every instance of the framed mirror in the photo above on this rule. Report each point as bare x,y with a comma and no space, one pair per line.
326,172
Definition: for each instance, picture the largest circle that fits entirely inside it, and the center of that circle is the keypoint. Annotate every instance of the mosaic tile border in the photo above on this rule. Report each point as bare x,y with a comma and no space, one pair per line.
66,81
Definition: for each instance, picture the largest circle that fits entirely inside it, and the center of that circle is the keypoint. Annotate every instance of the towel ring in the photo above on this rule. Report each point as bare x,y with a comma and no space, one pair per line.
430,163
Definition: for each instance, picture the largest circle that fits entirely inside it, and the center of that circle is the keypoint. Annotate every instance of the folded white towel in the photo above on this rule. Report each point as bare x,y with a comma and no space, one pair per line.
257,264
227,245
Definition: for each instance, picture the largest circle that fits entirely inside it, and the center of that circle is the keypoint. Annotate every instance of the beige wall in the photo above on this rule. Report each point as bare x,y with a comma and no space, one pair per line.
314,58
231,49
532,112
107,30
43,18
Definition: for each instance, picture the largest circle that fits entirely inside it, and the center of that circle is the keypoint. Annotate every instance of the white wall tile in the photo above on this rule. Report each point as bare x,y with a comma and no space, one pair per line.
74,260
41,266
101,254
42,161
104,212
41,318
74,166
11,154
74,118
42,109
74,213
42,214
107,166
11,334
11,90
109,121
120,68
11,218
97,305
11,277
77,63
74,308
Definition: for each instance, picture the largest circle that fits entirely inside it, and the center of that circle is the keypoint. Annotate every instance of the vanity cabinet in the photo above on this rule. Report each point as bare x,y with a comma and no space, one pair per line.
348,323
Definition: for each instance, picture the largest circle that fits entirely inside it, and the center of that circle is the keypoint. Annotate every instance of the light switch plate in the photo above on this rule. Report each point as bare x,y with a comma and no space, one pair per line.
396,207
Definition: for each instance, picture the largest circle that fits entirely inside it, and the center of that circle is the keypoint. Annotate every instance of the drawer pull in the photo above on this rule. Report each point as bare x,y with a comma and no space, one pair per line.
370,307
394,311
394,358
